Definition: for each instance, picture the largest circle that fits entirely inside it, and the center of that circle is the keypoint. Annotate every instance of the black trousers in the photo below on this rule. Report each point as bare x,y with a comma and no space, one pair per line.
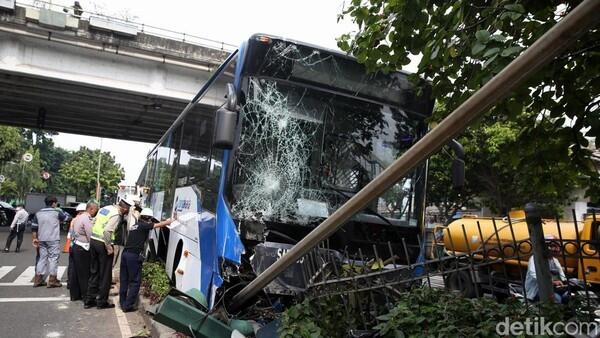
14,233
79,272
70,269
130,279
100,274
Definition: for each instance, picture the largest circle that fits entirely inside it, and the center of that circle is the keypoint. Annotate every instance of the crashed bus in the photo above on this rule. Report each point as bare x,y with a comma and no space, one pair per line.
299,131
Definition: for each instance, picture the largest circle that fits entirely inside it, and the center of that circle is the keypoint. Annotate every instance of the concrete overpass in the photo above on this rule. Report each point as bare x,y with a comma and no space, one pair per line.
98,76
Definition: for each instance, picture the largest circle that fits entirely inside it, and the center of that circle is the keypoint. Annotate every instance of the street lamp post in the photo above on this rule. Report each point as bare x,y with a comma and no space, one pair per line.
26,158
2,178
98,173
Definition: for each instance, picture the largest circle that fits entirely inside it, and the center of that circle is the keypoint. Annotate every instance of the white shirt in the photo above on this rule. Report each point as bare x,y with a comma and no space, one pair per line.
531,284
20,218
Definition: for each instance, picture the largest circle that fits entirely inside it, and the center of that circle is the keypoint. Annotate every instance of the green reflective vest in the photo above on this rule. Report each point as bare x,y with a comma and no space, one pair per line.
102,218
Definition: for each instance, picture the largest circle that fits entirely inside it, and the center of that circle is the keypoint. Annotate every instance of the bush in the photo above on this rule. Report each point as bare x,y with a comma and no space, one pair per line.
422,312
155,281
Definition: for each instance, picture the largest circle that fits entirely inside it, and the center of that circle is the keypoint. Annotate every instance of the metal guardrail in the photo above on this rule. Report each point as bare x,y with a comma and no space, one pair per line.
141,27
494,262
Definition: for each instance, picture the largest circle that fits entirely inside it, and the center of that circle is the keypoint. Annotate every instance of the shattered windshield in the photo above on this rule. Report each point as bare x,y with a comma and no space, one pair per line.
315,129
304,152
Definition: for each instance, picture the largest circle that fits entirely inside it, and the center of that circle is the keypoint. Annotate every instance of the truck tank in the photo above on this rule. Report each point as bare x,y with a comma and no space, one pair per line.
490,237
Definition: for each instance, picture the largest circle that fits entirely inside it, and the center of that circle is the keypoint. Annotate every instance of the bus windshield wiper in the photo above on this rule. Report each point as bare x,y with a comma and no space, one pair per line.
368,209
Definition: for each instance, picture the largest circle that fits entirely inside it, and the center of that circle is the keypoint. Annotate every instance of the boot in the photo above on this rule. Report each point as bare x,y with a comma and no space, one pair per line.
38,281
53,282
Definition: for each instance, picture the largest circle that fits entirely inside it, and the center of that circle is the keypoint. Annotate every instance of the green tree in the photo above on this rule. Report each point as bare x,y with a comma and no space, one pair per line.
11,142
52,157
23,177
533,144
440,190
79,172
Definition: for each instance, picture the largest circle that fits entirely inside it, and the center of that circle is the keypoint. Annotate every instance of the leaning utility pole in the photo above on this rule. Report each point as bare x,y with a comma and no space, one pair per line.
545,49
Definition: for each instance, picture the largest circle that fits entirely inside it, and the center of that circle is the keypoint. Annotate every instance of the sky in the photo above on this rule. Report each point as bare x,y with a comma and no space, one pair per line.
230,21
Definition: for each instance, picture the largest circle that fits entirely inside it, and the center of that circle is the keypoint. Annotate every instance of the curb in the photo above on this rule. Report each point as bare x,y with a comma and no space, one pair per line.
157,330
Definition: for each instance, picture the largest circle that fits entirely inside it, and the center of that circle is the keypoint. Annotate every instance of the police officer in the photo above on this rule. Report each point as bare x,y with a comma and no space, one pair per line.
101,250
80,252
131,262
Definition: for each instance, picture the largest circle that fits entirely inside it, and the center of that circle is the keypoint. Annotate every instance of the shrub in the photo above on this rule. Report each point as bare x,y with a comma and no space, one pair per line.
422,312
155,281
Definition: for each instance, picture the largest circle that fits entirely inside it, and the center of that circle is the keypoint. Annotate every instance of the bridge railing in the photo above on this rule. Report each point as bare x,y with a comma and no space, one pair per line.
85,14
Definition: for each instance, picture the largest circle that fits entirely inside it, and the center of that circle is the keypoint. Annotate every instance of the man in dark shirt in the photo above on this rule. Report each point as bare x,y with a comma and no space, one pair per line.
131,260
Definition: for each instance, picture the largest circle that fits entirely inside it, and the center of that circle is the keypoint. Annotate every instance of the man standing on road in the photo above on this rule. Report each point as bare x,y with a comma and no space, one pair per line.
71,267
82,234
121,235
45,229
101,249
17,228
131,262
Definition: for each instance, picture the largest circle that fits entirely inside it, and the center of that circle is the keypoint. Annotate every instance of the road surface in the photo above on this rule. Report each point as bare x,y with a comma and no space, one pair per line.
43,312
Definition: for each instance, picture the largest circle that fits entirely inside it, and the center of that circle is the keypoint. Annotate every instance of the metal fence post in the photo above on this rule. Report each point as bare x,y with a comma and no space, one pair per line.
542,268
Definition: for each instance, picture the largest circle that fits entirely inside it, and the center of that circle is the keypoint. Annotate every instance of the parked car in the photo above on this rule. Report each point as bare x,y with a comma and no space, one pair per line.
7,213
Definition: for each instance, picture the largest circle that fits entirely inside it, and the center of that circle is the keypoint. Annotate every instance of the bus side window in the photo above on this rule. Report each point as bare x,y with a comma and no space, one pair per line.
165,170
197,160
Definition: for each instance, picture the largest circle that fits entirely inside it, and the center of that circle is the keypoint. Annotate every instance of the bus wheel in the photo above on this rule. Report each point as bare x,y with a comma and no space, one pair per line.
461,281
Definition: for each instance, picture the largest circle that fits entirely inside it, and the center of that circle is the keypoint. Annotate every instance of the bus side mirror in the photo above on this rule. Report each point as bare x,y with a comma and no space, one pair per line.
458,173
225,121
458,164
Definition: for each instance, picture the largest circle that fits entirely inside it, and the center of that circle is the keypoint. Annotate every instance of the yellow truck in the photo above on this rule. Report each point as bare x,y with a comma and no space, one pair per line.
491,253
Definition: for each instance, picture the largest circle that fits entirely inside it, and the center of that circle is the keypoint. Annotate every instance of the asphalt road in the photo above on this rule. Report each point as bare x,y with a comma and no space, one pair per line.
41,312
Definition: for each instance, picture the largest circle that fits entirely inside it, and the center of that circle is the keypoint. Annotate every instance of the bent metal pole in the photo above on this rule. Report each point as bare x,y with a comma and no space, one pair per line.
581,19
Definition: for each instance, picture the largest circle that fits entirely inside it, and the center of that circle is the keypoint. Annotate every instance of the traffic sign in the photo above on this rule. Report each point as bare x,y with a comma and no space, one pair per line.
27,157
2,178
45,175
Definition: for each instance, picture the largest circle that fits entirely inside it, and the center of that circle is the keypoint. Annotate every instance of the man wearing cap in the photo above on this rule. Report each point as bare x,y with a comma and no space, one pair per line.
80,209
122,233
131,262
80,251
101,250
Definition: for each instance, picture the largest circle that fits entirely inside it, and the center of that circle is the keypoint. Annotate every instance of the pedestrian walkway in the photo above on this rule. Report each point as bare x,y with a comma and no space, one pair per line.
25,278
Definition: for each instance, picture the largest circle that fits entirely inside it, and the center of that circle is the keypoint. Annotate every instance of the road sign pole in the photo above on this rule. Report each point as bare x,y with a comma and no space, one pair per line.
98,174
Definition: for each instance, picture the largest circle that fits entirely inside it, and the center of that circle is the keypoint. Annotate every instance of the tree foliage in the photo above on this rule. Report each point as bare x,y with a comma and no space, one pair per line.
419,312
10,143
80,171
70,173
533,145
52,158
23,177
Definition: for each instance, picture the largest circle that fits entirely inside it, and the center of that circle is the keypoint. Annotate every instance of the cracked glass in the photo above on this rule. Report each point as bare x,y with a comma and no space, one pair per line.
315,129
